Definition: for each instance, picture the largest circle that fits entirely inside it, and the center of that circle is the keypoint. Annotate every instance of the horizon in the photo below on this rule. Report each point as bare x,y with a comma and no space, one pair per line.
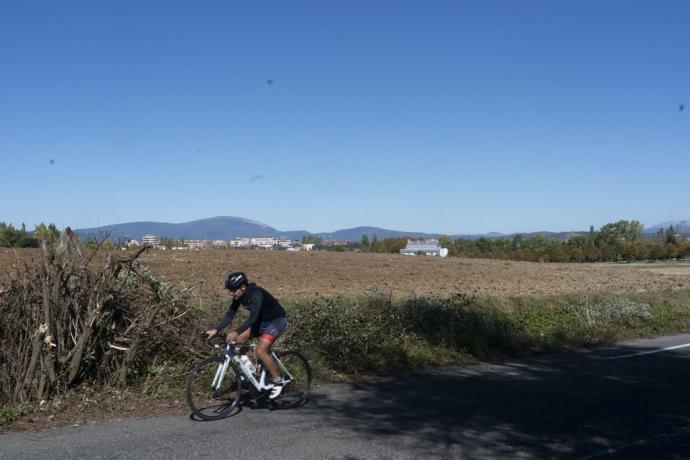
451,118
660,224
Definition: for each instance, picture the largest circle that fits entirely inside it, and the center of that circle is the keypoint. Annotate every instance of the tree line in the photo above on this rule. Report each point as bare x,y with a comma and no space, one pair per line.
619,241
13,237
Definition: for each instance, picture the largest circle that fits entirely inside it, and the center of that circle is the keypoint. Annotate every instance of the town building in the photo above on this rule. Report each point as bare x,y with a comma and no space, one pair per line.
285,243
263,242
429,247
239,242
198,244
149,239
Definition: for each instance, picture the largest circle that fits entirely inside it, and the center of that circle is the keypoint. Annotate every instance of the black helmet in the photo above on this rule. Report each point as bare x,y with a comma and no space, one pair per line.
235,281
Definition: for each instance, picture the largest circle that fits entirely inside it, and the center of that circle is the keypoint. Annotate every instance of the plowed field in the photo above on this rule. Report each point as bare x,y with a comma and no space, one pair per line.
291,275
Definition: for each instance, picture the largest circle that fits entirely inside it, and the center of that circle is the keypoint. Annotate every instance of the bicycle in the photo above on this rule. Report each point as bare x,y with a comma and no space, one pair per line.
217,383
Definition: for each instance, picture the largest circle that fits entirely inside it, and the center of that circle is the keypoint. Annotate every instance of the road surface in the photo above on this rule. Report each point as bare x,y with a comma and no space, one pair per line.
627,401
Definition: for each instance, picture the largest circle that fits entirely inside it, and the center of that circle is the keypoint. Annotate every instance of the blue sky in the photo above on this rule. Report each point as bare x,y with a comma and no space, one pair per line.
450,117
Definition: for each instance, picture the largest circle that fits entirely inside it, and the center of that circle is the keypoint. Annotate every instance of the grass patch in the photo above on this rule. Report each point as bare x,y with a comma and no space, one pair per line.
374,333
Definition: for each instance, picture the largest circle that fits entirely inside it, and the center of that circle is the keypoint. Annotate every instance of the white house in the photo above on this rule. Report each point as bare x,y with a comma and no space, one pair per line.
430,247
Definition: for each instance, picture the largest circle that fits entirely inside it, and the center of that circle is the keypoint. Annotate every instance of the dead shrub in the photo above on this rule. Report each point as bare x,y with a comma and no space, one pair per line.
76,314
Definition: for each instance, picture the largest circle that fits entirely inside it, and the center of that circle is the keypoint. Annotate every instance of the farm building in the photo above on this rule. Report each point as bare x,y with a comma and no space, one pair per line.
429,247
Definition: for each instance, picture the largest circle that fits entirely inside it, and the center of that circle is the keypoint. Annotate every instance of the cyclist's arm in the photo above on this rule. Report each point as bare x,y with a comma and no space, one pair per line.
256,298
229,315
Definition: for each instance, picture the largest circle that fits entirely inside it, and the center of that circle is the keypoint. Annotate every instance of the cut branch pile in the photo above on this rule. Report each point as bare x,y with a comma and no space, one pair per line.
77,315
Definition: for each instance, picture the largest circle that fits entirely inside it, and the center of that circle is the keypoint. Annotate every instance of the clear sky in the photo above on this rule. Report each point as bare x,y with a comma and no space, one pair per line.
436,116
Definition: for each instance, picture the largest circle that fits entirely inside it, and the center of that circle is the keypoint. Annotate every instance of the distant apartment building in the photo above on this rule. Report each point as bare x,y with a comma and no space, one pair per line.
150,240
285,243
429,247
198,244
133,243
239,242
219,244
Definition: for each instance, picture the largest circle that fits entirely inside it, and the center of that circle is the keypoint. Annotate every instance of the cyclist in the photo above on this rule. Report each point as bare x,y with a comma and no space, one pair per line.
266,321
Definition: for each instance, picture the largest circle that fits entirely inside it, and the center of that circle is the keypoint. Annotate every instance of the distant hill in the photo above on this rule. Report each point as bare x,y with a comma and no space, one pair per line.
227,228
355,234
214,228
682,226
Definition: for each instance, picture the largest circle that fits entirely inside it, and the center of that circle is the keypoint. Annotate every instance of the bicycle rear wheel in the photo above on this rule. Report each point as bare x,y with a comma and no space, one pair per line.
207,403
296,372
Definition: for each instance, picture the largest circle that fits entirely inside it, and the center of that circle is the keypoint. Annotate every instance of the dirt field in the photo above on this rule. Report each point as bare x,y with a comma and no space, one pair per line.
291,275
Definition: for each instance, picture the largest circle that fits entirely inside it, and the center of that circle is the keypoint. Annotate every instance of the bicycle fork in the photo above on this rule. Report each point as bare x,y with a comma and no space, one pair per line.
220,374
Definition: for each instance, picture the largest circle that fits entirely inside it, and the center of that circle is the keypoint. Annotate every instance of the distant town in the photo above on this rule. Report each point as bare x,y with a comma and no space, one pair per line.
429,247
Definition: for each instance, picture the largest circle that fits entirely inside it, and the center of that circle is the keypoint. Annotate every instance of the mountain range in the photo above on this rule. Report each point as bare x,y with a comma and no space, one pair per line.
227,228
682,226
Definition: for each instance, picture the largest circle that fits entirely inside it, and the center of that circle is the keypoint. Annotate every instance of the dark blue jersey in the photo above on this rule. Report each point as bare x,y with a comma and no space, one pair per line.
261,304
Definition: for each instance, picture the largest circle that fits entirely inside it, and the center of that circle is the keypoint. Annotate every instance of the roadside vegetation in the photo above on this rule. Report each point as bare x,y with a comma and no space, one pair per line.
375,333
82,323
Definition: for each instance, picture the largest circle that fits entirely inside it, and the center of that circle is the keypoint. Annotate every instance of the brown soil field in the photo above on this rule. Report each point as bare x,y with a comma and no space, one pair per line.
292,275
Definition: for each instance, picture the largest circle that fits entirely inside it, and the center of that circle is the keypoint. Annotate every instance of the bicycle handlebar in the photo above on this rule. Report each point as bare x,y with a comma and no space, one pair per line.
222,337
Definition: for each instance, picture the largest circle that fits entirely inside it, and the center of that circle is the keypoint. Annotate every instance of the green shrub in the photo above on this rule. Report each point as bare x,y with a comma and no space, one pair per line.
7,415
375,333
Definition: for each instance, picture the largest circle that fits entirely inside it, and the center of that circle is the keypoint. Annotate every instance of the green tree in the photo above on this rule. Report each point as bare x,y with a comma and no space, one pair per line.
376,245
445,241
623,231
11,237
50,233
312,239
167,242
517,242
365,244
670,236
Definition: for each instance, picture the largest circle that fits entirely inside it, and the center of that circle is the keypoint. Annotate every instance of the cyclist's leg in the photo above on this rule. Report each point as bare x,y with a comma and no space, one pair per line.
243,338
269,332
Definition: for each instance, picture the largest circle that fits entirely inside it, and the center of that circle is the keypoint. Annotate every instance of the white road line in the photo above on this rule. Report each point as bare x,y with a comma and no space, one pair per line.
638,443
649,352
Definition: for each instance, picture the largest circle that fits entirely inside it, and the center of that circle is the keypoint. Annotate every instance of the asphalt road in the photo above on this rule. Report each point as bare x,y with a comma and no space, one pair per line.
623,402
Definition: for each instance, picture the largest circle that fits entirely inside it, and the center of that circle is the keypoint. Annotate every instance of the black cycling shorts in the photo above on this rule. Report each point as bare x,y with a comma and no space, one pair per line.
269,330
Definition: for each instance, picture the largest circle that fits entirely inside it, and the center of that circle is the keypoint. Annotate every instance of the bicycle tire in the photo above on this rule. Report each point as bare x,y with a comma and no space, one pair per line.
296,392
206,403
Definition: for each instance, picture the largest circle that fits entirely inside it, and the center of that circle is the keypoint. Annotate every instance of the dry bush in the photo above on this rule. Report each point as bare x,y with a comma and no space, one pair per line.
75,315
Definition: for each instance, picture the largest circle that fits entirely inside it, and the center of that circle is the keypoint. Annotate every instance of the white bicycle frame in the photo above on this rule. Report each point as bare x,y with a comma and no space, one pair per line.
259,385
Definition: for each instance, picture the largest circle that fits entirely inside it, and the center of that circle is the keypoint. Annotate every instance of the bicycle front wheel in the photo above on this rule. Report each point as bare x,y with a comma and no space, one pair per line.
209,402
296,372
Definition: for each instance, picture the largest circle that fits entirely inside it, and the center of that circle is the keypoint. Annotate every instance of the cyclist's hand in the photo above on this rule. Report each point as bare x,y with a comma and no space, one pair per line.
210,333
232,336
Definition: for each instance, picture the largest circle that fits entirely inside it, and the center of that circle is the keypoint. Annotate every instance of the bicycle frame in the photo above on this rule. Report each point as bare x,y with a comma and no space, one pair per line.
259,385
